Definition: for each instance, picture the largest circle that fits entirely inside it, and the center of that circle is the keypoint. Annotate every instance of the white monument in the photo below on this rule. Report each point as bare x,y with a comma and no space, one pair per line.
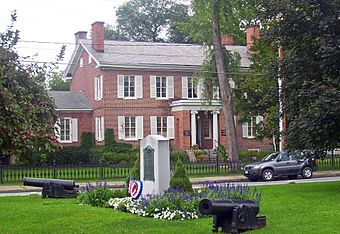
155,164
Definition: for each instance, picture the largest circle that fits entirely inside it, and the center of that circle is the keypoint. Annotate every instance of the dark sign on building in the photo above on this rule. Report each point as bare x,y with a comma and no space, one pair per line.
149,171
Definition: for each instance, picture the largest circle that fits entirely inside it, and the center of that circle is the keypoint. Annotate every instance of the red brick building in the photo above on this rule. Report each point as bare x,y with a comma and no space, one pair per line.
143,88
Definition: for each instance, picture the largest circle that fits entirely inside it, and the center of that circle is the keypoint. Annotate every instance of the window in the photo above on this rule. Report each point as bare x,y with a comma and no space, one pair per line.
192,88
163,126
161,86
130,127
66,130
130,86
81,62
207,128
249,128
98,88
100,128
90,59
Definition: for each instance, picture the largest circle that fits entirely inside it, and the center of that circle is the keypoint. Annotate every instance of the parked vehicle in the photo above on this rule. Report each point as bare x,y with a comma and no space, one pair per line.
291,164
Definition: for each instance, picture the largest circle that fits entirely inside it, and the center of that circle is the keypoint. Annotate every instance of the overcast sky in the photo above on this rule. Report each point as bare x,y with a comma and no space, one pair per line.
54,21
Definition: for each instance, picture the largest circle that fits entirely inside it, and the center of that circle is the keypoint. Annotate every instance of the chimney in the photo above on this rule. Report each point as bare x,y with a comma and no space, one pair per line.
227,39
98,36
251,33
80,35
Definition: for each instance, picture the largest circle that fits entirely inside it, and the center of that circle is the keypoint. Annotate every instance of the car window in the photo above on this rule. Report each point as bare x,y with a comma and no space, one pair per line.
284,157
270,157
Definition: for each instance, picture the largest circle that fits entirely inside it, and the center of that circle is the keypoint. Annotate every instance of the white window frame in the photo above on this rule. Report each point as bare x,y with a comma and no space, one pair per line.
209,128
98,88
81,62
248,128
73,130
169,123
163,80
99,128
137,89
122,128
90,59
169,87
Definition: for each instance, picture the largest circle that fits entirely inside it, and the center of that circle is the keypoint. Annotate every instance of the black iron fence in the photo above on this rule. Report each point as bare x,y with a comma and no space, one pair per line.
16,174
331,162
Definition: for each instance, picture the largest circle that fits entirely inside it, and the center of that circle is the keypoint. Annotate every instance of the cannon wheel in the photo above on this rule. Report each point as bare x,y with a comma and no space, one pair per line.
267,174
307,173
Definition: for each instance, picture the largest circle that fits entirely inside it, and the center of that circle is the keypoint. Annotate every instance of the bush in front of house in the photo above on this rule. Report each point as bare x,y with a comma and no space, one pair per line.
178,155
180,179
252,155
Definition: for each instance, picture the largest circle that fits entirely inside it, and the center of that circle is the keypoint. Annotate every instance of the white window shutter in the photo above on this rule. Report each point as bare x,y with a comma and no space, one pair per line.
57,129
171,127
259,119
121,127
184,87
97,129
139,125
153,125
102,128
95,88
152,86
170,86
139,86
200,89
74,130
101,87
245,130
120,86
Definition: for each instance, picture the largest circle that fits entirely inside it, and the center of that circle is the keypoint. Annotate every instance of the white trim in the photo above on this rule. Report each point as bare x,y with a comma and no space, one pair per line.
121,127
74,133
120,86
170,127
153,125
139,86
184,87
139,127
153,87
170,87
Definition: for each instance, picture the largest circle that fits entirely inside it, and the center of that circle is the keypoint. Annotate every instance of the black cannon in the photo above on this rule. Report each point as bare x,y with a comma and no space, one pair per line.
233,216
53,187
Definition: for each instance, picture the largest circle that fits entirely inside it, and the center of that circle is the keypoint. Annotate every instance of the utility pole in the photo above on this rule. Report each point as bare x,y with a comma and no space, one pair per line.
282,115
224,86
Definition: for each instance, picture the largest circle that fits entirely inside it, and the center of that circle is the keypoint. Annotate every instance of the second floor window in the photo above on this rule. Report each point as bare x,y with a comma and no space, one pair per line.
192,88
129,86
161,86
249,128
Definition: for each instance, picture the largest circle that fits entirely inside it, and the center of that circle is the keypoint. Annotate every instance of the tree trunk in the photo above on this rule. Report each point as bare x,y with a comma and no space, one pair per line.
223,81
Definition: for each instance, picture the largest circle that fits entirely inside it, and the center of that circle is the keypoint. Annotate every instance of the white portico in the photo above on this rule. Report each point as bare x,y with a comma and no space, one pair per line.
204,121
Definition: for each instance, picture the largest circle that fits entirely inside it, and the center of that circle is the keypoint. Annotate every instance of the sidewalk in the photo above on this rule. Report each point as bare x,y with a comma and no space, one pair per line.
201,180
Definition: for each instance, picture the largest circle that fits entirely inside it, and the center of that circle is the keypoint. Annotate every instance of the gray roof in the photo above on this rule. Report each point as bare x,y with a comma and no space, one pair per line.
67,100
150,55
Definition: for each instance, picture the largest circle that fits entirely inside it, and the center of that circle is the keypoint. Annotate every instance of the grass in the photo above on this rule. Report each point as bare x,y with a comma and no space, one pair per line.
293,208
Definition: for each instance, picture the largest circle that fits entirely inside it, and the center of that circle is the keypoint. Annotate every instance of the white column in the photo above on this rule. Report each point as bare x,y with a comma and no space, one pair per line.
193,128
215,128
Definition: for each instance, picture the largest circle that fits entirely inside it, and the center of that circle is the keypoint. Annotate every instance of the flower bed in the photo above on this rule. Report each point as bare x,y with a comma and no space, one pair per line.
180,205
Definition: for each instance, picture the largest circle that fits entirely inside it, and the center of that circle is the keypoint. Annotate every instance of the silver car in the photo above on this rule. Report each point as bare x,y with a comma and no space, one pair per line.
282,164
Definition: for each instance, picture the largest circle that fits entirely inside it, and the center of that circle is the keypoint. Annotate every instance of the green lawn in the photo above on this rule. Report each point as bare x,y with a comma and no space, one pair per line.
294,208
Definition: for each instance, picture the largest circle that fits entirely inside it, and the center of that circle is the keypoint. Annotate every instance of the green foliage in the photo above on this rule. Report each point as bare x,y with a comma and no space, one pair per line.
115,158
98,196
135,171
109,139
146,20
178,155
87,140
26,110
56,83
309,34
247,156
180,179
67,155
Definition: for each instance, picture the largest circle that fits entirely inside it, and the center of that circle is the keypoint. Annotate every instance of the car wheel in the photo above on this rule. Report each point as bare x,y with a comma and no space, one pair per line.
307,173
292,177
267,175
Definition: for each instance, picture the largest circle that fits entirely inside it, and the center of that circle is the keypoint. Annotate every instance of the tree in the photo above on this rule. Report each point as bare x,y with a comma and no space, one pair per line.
27,113
223,81
309,33
180,179
147,20
56,83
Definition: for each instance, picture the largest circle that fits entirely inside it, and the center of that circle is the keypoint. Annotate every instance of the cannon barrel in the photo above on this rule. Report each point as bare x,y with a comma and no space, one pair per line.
225,207
39,182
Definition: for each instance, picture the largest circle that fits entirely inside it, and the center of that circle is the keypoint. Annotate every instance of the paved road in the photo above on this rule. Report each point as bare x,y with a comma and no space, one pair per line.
277,182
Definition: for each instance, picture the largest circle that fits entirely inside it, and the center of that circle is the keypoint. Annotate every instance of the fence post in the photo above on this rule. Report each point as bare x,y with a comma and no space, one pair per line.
54,169
217,164
333,160
101,169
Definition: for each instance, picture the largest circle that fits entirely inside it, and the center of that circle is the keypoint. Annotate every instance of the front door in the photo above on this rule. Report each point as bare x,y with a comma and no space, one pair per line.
205,133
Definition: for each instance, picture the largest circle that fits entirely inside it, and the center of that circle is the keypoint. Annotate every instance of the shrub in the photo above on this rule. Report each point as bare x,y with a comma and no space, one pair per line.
98,196
135,171
115,158
96,154
87,140
180,179
247,156
68,155
178,155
